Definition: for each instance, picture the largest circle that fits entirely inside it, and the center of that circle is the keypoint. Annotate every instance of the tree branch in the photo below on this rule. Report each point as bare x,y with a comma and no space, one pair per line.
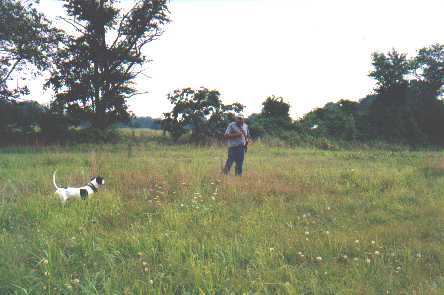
75,24
10,71
137,93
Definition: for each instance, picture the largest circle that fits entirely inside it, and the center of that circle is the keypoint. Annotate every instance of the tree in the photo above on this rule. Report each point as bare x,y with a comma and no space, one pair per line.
390,70
427,90
429,67
275,108
389,113
95,71
273,119
407,107
26,38
200,111
334,120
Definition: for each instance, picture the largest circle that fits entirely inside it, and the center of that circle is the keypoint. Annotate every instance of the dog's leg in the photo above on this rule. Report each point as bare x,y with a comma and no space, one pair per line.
61,197
83,194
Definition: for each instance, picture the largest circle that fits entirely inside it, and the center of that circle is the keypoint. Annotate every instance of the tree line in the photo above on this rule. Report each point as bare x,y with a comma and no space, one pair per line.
92,69
406,107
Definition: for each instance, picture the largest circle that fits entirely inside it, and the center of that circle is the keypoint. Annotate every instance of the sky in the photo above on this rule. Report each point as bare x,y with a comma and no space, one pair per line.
308,52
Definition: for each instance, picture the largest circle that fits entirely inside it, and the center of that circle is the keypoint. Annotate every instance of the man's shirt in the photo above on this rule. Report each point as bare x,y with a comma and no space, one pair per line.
234,128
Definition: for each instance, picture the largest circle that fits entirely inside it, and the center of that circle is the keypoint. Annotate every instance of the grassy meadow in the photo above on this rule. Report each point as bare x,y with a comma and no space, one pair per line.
300,221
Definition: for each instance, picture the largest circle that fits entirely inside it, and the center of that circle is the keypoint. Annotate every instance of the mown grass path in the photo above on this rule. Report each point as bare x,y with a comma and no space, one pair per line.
300,221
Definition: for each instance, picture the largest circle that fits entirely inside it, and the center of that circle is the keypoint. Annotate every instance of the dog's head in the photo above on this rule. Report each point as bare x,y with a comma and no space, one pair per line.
98,181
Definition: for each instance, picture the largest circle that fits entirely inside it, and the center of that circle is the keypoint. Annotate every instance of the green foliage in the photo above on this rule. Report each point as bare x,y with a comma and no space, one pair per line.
23,116
273,119
95,70
405,109
200,111
390,70
408,110
335,120
26,38
275,108
31,123
429,67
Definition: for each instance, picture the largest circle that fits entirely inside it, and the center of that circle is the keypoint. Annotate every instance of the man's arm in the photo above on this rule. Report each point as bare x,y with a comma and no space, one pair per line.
231,135
246,134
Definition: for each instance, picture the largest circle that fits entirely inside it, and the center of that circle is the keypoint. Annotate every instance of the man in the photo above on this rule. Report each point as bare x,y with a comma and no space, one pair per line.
236,136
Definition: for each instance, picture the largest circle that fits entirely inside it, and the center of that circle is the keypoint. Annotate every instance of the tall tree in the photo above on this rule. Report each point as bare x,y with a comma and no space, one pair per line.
272,120
200,110
276,108
27,39
390,70
428,90
390,113
95,71
429,67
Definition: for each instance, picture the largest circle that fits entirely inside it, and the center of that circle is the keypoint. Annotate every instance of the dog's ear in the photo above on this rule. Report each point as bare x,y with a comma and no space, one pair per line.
99,180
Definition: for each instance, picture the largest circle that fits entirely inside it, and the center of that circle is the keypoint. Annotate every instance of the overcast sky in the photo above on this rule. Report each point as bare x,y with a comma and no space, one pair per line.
309,52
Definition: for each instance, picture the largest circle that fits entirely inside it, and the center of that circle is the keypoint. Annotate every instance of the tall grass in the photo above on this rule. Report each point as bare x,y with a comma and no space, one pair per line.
300,221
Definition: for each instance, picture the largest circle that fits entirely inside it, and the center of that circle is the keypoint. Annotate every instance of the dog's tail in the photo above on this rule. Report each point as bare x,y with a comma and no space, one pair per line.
53,180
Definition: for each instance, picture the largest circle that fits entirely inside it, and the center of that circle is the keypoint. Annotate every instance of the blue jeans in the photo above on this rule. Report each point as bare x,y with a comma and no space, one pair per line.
236,155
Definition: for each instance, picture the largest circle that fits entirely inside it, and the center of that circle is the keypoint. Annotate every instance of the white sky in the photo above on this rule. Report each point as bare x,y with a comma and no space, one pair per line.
309,52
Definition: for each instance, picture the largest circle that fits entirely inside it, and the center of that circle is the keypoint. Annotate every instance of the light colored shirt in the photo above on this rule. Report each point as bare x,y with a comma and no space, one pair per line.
233,128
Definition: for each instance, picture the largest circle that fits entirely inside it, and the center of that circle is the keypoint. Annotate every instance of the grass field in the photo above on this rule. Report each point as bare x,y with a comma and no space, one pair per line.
300,221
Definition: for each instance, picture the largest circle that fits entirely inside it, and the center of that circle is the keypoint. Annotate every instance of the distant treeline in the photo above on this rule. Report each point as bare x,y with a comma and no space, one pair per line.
141,122
406,107
92,73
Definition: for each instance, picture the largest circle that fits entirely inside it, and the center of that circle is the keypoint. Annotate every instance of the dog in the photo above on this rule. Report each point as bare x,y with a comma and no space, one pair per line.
83,192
